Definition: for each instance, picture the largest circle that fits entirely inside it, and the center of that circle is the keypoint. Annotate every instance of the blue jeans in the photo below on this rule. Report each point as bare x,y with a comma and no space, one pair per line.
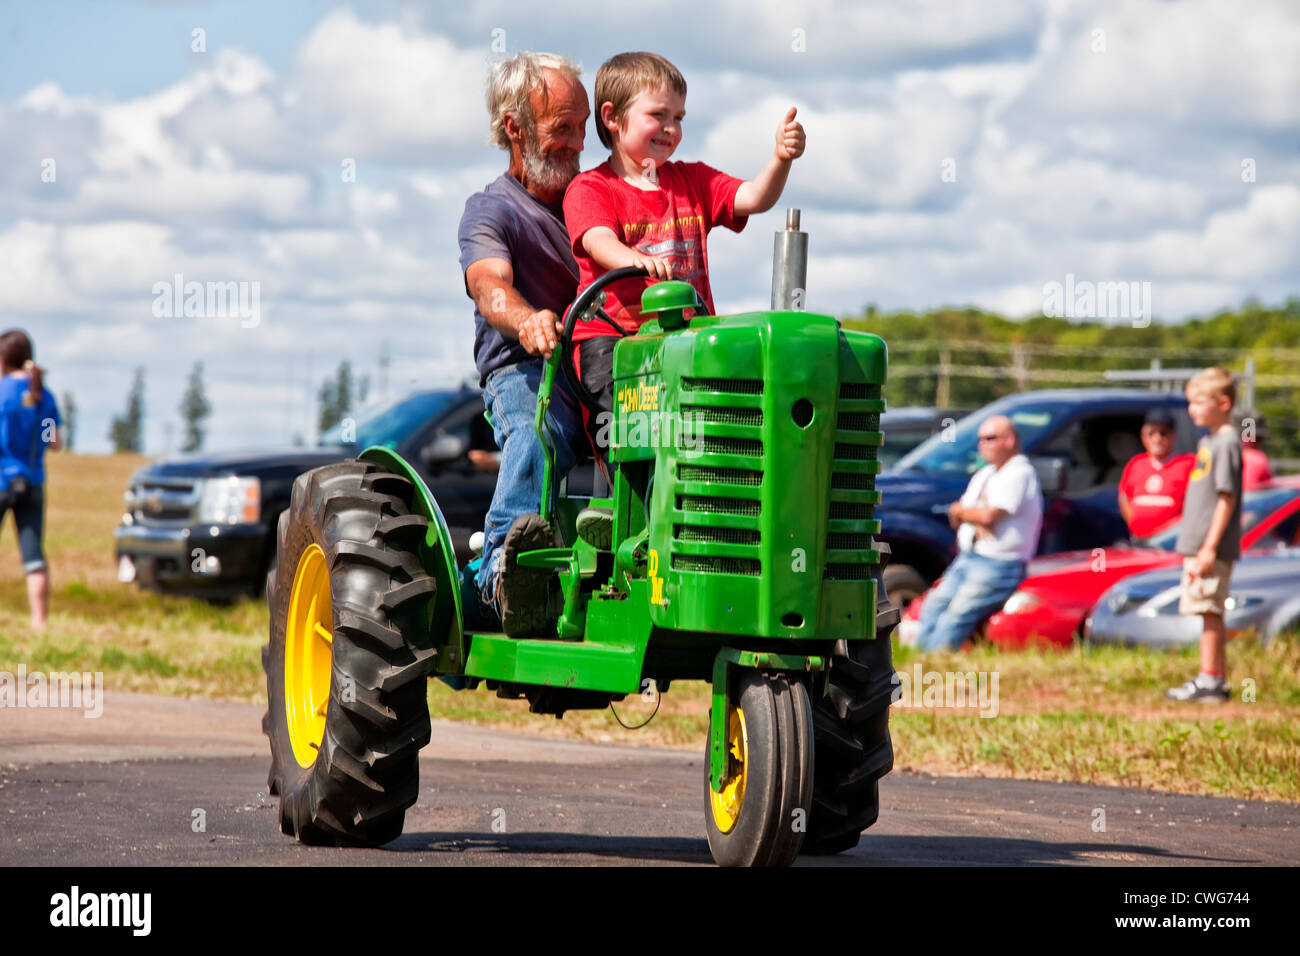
510,395
29,518
972,588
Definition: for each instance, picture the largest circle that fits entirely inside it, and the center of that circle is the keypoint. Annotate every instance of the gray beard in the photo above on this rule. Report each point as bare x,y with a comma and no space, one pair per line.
548,175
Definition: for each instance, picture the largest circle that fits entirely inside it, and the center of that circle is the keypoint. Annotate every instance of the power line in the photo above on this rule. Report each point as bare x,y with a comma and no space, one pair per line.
1039,348
1045,375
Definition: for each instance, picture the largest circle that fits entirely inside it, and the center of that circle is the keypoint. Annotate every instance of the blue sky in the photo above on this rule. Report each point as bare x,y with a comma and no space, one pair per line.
958,153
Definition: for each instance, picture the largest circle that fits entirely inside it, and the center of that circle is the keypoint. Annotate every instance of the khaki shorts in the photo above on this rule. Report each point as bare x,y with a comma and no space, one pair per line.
1206,594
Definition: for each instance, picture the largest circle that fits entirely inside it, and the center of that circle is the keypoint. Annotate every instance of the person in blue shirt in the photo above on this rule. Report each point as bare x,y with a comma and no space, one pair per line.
29,423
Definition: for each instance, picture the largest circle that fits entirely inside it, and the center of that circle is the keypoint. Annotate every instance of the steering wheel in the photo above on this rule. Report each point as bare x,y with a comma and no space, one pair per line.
585,306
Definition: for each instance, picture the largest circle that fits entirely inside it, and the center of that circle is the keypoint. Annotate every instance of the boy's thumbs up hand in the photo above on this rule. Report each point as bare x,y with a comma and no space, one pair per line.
789,137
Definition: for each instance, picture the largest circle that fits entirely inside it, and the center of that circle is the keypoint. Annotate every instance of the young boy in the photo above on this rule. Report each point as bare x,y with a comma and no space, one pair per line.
639,209
1210,534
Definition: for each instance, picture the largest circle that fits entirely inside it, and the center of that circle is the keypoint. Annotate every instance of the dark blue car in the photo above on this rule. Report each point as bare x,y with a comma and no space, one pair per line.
1079,440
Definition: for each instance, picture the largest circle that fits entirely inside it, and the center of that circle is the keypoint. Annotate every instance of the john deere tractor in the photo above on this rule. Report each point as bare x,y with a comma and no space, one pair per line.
743,455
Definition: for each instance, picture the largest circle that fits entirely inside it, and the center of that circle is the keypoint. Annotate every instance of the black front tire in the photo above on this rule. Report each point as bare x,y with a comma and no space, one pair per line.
853,746
366,771
770,826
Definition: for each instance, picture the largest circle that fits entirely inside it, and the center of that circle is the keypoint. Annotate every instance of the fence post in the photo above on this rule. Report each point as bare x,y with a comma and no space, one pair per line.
1020,366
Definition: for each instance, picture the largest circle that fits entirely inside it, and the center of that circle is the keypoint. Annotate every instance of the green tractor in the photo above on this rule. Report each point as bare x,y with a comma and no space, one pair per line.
743,455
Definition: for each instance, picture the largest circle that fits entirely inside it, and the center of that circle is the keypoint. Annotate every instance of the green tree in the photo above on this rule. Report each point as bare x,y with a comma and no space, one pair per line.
335,397
195,409
69,421
127,431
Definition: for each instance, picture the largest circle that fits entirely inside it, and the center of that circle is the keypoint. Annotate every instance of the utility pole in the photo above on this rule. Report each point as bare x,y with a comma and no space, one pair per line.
384,360
945,368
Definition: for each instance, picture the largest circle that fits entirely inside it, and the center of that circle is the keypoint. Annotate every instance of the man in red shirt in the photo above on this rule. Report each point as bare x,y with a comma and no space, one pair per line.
1153,484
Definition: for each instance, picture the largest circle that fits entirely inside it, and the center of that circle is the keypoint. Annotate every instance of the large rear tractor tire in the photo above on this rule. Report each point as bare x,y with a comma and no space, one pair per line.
853,747
348,656
760,817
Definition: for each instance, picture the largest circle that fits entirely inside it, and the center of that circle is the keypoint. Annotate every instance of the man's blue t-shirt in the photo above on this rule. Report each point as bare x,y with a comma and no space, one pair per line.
19,455
505,221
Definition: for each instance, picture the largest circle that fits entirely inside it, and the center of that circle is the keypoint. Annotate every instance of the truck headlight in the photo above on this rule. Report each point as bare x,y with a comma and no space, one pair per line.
231,500
1020,602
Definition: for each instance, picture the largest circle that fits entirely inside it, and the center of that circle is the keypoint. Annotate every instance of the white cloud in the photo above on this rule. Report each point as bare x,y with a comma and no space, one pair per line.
29,274
886,154
384,91
1115,165
1214,63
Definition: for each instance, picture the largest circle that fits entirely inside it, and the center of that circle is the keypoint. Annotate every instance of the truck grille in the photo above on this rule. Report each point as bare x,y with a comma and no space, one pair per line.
163,503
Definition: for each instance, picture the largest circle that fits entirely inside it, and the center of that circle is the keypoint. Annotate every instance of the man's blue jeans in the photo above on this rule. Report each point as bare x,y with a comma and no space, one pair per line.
510,395
972,588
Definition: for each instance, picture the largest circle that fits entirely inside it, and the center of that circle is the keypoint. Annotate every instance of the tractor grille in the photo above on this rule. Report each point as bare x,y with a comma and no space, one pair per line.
707,565
726,476
696,532
847,572
719,415
730,386
843,482
857,422
846,452
740,447
849,543
847,511
709,505
722,418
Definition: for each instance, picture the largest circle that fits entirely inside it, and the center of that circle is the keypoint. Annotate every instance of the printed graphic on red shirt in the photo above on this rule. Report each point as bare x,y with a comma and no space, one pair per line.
670,222
1156,492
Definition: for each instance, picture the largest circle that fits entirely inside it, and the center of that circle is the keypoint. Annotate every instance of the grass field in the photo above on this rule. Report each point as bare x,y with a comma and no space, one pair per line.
1095,715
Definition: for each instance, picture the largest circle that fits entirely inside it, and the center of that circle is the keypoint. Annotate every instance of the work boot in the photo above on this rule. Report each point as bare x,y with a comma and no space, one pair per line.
596,527
522,592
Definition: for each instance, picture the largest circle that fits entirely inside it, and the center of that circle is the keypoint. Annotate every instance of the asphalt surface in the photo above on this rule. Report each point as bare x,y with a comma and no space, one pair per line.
124,790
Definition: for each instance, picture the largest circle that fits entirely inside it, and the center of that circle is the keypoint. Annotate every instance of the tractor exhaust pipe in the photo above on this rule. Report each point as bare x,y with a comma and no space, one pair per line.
790,266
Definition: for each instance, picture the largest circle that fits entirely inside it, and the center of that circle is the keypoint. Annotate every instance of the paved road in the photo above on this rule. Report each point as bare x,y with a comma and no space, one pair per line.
124,789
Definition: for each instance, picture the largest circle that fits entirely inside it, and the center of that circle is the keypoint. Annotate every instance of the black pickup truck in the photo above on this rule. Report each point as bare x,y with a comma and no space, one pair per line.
204,524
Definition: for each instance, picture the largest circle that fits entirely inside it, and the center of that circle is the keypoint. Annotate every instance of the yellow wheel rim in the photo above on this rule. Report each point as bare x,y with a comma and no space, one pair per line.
726,805
309,634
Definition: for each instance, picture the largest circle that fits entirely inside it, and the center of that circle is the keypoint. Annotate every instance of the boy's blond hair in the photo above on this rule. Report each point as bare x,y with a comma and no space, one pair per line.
1214,381
623,76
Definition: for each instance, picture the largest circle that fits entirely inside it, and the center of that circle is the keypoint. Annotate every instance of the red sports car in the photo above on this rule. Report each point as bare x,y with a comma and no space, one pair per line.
1060,589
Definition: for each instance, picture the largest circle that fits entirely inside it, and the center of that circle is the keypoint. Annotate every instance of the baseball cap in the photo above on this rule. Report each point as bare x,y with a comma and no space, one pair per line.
1160,416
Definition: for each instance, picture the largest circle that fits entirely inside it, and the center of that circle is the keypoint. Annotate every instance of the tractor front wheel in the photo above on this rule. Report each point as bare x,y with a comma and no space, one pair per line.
760,816
854,749
348,657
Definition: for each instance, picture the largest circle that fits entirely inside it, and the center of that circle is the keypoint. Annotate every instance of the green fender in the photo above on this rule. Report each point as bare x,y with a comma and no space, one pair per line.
446,620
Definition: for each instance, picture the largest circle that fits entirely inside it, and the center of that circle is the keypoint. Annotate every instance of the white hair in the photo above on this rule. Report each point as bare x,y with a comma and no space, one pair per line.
509,85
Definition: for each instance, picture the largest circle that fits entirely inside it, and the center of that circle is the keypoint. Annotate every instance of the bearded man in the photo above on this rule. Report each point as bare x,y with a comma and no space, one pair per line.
520,271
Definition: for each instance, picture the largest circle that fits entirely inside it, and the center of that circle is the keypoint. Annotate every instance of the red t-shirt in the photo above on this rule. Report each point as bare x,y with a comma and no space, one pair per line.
1255,469
1156,491
670,222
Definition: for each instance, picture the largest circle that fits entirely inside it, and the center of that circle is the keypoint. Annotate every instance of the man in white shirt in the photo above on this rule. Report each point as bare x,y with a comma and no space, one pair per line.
997,521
